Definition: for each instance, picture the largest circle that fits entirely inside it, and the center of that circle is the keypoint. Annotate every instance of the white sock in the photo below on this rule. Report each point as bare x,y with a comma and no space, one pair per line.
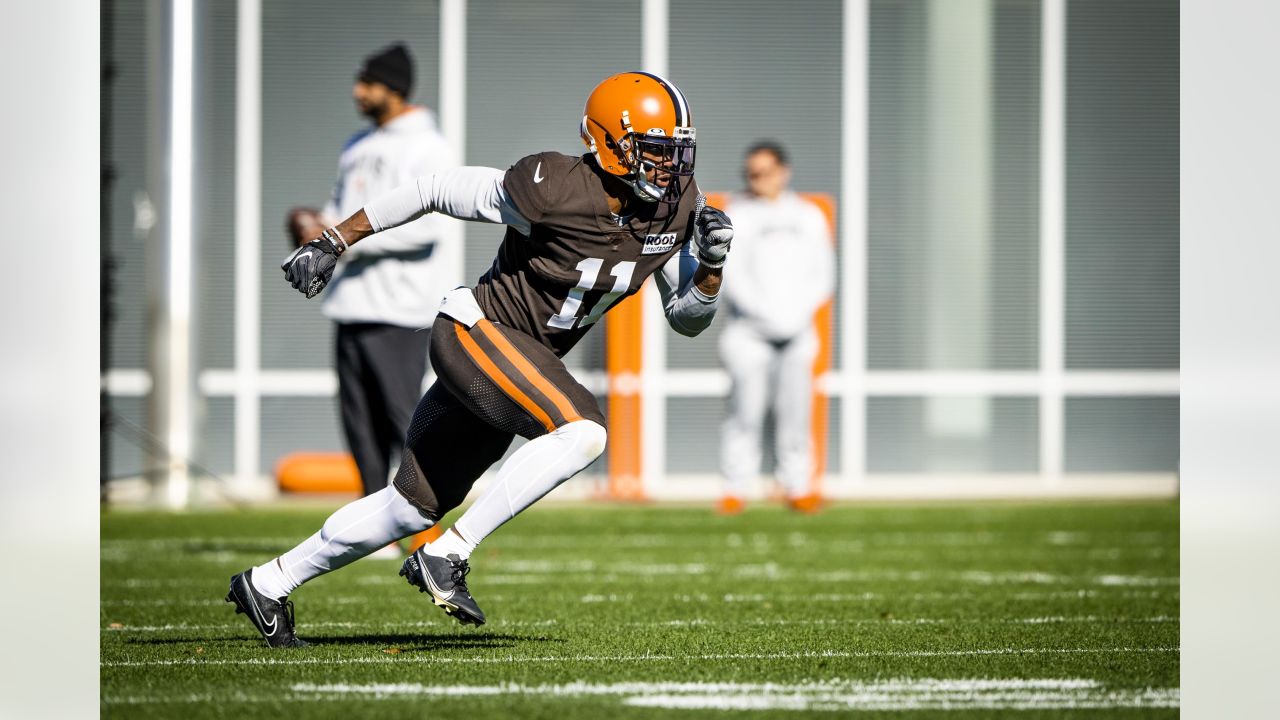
450,542
355,530
530,473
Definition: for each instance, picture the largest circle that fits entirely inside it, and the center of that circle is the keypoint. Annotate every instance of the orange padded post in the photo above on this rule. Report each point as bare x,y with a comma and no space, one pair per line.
624,326
318,472
824,322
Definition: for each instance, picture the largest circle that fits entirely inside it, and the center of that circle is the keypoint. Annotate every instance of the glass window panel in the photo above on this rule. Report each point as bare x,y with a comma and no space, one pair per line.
127,450
215,449
964,434
293,424
1122,184
1121,434
693,436
953,187
214,185
133,155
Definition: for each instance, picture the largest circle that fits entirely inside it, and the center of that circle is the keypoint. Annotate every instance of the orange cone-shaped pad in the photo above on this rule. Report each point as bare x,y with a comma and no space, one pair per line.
318,472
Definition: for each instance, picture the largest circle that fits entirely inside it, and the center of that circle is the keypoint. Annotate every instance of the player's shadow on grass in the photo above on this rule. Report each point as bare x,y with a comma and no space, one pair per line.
403,642
418,641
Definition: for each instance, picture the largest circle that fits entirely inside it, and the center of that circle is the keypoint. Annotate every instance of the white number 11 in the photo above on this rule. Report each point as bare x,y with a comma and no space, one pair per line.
590,269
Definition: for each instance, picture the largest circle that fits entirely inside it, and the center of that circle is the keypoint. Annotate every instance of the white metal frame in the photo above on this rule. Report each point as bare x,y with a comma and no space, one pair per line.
1053,222
246,388
247,382
178,365
853,241
653,375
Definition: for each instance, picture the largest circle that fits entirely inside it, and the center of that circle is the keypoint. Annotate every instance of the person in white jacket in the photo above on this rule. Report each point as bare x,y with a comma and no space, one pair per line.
784,270
385,293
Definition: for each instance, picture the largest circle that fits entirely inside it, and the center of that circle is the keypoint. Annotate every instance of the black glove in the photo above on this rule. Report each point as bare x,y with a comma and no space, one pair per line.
712,233
309,268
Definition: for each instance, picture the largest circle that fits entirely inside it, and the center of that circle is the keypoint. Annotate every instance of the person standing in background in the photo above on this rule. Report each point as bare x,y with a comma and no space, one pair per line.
385,293
784,271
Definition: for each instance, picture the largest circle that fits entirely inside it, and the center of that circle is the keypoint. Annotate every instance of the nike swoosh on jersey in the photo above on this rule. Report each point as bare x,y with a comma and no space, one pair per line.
537,174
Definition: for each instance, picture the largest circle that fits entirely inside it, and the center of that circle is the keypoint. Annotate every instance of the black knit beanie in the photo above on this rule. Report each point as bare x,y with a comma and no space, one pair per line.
392,67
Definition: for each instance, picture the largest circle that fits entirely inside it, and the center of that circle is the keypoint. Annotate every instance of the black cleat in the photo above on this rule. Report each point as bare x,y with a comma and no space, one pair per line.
446,580
272,618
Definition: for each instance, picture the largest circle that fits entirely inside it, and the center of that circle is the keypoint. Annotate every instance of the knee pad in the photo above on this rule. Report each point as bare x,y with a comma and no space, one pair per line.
413,486
594,435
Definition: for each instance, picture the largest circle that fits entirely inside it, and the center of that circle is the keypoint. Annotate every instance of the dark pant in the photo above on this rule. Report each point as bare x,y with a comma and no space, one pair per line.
492,383
380,370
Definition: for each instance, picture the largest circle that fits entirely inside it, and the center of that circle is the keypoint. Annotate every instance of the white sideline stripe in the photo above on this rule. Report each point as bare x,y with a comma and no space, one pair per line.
1084,619
513,660
318,625
210,602
630,688
1113,592
889,694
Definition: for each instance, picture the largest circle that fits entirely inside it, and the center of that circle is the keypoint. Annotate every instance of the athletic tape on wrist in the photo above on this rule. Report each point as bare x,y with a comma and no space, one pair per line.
334,236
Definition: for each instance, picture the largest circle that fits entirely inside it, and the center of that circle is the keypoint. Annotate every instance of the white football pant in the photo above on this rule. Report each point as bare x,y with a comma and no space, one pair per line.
764,374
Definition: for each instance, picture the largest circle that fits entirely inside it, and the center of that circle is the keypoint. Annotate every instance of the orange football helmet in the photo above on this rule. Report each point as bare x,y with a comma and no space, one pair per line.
639,127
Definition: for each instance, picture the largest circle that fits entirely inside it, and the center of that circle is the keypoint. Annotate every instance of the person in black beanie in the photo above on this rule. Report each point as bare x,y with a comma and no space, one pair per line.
383,298
383,84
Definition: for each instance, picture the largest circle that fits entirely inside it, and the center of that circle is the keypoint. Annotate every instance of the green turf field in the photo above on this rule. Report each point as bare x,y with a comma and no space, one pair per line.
955,610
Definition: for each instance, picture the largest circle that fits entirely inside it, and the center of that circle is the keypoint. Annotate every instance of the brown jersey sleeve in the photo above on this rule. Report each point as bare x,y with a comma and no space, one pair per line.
527,184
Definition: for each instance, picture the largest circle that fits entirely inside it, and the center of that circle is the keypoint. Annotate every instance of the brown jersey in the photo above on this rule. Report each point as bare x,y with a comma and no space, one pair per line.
577,260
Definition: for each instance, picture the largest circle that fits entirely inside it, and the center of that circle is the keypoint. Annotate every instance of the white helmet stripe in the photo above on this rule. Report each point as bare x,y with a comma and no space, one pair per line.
683,117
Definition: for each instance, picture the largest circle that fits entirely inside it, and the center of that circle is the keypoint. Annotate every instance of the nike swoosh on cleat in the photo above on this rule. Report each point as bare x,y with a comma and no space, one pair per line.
254,604
435,589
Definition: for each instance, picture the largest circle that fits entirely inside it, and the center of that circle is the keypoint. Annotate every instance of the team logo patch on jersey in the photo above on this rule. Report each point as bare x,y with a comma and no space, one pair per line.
658,243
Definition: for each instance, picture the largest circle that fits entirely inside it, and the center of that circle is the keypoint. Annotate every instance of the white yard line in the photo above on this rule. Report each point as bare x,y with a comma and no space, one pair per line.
830,695
514,660
1080,619
241,627
1108,591
311,626
771,571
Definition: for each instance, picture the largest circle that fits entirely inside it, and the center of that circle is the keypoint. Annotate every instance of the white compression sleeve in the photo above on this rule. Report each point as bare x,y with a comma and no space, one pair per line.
355,530
530,473
466,193
688,310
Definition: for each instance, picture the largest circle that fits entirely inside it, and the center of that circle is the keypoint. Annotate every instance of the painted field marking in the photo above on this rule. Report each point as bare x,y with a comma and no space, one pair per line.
649,657
696,622
241,627
1108,591
757,540
613,574
1082,619
829,695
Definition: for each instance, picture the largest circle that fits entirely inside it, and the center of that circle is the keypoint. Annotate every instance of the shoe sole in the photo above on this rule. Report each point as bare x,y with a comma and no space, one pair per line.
450,609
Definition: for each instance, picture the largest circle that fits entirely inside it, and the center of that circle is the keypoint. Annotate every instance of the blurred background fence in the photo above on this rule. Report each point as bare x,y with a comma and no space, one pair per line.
1005,171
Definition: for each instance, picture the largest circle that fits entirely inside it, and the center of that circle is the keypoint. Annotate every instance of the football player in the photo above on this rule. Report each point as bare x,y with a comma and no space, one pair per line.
582,233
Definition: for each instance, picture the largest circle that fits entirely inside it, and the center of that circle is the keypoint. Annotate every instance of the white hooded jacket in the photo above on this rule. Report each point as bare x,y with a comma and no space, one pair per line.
395,277
782,266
